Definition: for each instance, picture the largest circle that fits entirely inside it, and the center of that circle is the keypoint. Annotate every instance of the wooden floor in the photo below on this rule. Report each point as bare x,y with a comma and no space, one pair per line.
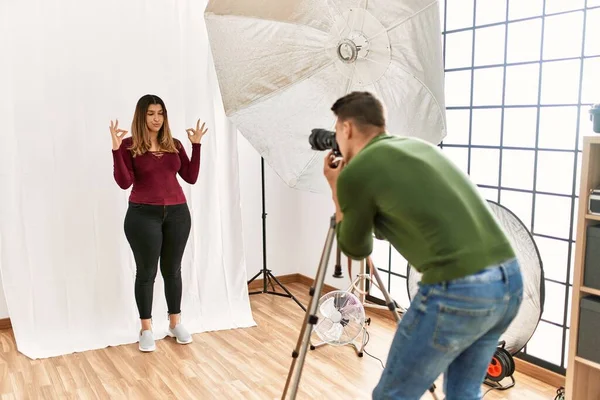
237,364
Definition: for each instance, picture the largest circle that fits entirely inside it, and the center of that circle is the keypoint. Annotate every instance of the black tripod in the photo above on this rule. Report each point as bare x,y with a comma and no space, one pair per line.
268,277
311,319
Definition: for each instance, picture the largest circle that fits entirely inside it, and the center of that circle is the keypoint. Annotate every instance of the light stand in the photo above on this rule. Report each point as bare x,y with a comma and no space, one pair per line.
311,319
366,277
266,273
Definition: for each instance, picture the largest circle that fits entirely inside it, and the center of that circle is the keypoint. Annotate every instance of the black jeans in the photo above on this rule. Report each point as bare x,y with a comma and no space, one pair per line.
157,232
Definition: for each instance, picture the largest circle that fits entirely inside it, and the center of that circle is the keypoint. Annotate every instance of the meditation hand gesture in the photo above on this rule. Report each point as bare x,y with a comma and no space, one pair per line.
195,135
117,135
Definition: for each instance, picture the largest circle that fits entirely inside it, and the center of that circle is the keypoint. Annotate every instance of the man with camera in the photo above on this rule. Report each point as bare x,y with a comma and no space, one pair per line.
406,191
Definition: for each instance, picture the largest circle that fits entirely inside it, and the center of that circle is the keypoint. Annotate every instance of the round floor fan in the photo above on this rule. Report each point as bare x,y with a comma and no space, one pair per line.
341,319
525,323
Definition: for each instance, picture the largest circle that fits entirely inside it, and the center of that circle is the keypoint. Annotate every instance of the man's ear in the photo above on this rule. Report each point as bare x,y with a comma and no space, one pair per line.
348,129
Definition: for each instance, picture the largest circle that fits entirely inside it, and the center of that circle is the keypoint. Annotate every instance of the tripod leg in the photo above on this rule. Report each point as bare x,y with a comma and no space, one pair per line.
337,272
392,306
254,277
270,281
290,295
261,272
310,318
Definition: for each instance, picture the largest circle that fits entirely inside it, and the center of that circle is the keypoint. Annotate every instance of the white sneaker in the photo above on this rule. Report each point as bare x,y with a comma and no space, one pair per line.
181,334
147,341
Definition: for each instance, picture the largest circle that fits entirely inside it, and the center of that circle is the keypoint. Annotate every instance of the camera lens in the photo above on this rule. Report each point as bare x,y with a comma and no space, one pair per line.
322,139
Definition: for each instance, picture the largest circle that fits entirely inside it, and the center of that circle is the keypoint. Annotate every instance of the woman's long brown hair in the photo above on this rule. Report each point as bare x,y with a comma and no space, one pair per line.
139,130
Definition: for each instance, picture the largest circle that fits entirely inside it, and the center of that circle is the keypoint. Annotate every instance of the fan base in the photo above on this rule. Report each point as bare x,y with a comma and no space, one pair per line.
358,350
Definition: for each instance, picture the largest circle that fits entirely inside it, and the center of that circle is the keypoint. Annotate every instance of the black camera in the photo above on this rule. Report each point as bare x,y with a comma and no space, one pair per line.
595,117
322,139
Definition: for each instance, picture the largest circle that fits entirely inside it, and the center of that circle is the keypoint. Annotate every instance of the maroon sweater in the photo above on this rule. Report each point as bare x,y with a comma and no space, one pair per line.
154,174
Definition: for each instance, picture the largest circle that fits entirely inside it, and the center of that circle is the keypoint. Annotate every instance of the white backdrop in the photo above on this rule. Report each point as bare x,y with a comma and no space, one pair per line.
68,68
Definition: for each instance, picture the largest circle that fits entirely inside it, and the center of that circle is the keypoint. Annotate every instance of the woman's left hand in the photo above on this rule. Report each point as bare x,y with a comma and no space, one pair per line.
195,135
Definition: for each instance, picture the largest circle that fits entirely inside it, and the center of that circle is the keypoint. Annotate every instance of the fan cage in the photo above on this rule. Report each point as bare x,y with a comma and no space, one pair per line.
357,321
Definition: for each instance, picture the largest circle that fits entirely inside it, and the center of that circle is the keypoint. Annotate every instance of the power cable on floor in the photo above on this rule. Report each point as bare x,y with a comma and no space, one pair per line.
367,353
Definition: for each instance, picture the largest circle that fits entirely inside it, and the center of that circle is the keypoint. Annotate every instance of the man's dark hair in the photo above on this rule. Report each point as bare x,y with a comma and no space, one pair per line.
362,107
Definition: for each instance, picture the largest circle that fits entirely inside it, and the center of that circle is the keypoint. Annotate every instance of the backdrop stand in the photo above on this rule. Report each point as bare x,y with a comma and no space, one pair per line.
267,276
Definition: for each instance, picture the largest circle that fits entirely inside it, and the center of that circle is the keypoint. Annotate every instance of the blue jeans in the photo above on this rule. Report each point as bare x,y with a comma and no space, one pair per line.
451,328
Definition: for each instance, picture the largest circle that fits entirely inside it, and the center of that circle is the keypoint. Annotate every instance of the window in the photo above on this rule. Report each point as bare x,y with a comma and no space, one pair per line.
524,40
525,9
558,127
459,47
563,35
560,82
487,40
520,126
518,168
522,84
492,12
487,86
533,66
485,128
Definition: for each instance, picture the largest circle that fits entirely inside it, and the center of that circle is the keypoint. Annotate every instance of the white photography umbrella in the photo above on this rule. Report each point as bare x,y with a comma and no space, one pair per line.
281,64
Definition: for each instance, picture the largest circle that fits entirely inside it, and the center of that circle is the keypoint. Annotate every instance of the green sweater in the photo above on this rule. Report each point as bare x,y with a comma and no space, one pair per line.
406,191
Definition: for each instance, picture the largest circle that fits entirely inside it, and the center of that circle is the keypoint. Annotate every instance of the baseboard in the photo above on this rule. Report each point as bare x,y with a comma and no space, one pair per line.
541,374
305,280
5,323
284,279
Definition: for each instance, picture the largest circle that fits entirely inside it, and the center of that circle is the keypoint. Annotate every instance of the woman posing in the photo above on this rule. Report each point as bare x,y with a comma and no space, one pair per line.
157,224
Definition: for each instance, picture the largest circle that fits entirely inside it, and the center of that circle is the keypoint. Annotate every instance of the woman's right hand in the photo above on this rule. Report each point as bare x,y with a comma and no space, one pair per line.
117,135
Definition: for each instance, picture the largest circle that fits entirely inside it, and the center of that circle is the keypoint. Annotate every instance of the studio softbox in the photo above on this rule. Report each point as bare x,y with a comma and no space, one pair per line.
281,64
